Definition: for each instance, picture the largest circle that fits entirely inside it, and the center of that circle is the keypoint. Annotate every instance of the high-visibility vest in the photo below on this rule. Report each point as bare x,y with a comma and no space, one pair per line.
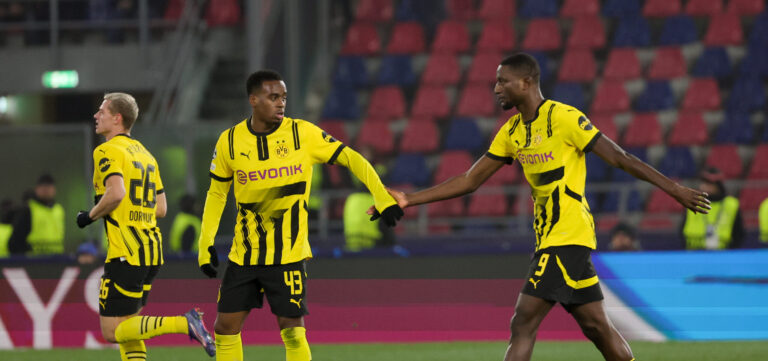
763,216
5,235
720,221
46,235
359,231
315,201
180,224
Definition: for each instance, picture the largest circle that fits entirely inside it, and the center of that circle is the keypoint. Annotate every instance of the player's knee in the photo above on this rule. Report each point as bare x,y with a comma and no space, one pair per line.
223,327
520,324
593,330
109,334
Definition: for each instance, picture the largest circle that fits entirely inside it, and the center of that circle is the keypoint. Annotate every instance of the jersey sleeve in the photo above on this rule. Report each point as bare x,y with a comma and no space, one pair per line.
158,180
220,168
107,161
501,147
323,147
577,130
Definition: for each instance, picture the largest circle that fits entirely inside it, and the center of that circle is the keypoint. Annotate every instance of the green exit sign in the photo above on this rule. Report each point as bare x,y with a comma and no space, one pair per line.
60,79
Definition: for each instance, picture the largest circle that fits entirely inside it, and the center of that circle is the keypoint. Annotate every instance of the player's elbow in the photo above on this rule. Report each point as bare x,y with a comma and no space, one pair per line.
160,212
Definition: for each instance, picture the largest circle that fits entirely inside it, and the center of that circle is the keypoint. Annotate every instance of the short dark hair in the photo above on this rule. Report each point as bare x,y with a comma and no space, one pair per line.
45,179
524,63
256,79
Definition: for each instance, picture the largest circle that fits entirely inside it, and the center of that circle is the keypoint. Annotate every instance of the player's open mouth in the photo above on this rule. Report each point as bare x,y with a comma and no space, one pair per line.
280,115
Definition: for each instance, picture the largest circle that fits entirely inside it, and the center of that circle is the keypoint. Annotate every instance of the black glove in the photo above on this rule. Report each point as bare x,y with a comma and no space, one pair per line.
390,216
210,268
83,219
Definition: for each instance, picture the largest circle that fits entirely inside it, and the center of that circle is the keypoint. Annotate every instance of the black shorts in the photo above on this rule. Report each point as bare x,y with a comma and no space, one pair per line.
563,274
244,287
124,288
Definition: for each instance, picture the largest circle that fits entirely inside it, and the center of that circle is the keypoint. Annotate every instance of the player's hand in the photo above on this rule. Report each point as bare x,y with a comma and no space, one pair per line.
210,268
400,198
390,216
693,199
83,219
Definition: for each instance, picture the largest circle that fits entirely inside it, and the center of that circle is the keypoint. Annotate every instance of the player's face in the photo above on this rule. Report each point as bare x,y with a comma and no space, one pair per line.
269,102
510,88
105,120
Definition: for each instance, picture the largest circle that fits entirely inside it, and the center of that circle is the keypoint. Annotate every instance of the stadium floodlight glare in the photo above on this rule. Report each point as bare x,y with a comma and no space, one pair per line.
3,105
60,79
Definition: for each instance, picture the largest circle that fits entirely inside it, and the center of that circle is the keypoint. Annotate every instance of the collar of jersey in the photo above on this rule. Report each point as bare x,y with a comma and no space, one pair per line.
248,124
535,115
124,135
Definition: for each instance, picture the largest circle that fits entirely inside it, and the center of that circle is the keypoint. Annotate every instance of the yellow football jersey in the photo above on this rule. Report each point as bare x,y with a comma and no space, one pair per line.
131,228
551,149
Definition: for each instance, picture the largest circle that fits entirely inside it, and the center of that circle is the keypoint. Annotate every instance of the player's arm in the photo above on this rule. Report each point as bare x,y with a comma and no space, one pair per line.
162,205
612,154
215,200
113,194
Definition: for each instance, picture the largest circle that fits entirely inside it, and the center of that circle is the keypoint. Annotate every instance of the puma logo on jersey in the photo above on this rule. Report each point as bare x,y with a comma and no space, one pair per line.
102,305
246,155
298,303
535,283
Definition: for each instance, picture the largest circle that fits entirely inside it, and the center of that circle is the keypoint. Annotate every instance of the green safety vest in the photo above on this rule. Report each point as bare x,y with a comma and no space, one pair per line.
317,182
46,235
359,231
180,224
721,217
763,217
5,235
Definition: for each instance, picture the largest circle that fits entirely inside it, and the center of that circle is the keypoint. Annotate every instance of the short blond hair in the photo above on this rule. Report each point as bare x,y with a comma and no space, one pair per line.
125,105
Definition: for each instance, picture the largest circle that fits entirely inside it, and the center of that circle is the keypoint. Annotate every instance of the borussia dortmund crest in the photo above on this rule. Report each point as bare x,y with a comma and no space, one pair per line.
536,140
281,150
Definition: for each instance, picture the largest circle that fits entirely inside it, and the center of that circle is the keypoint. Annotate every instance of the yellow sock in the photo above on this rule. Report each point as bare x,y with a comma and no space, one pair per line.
229,348
146,327
296,345
133,351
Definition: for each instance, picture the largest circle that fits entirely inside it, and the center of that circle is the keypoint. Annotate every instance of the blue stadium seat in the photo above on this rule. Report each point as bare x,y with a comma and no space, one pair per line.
759,36
597,169
342,104
350,72
622,176
611,201
678,30
656,96
538,9
571,94
736,128
463,134
396,70
410,169
747,94
428,12
593,199
755,63
678,162
545,64
714,62
621,8
633,31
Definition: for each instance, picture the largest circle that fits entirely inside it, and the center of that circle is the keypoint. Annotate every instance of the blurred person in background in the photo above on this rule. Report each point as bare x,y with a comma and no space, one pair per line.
723,227
6,226
763,220
623,238
38,226
87,253
186,226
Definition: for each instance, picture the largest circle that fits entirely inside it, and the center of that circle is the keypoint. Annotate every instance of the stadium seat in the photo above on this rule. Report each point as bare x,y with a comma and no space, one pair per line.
222,13
453,207
410,169
661,202
745,7
406,38
678,162
452,163
428,13
387,102
396,70
610,97
377,136
483,68
335,129
544,63
487,205
576,8
633,31
622,64
759,167
713,62
361,39
702,94
668,63
759,33
570,93
341,104
736,128
174,9
661,8
725,158
751,198
593,201
643,131
377,11
538,9
497,9
542,34
463,134
689,129
755,63
621,8
704,7
452,37
497,36
461,9
420,136
656,96
476,100
350,71
678,30
431,101
587,32
604,122
597,169
578,66
441,69
724,29
612,199
622,176
747,94
509,174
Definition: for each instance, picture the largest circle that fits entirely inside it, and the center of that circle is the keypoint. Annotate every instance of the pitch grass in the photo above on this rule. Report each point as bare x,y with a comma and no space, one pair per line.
451,351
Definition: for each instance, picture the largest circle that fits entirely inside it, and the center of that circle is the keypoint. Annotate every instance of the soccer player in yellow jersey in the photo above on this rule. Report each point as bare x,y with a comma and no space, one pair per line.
550,140
129,197
269,158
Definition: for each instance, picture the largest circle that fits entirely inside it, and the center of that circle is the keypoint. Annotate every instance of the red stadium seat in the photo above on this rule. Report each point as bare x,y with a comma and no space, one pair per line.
704,7
461,9
751,198
508,174
407,38
483,68
604,123
523,206
542,34
610,97
222,13
453,207
588,32
661,8
503,118
441,69
725,158
452,163
606,222
661,202
431,101
668,64
497,36
576,8
377,136
452,37
497,9
746,7
476,101
759,168
622,64
689,129
487,205
387,102
702,94
658,222
643,131
362,39
174,9
420,136
578,66
335,128
378,11
724,30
